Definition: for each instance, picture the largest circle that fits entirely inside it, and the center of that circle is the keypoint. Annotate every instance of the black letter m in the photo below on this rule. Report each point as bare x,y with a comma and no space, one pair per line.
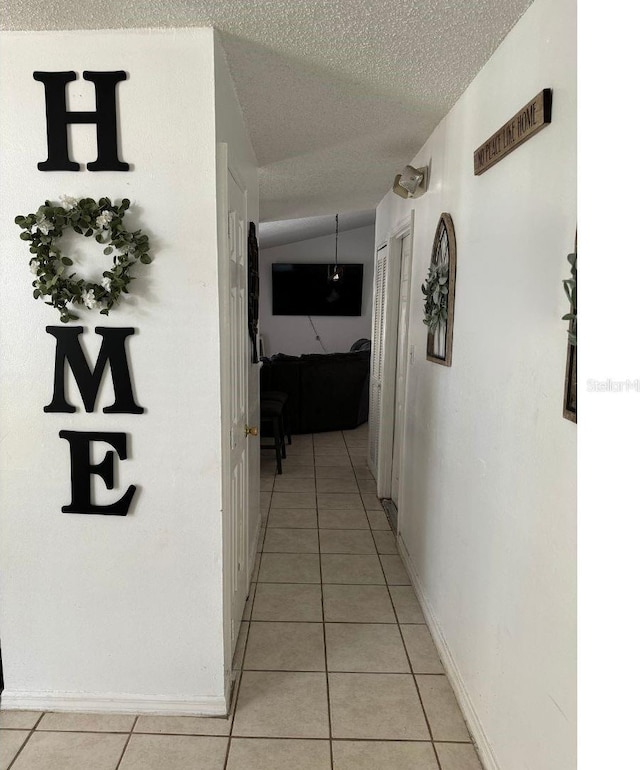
104,116
112,350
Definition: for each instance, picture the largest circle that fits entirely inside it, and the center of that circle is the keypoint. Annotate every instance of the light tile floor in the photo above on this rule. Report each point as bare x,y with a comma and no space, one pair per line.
336,667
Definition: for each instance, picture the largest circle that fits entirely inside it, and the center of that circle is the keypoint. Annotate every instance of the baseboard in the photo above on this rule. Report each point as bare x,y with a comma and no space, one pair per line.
230,675
116,703
253,546
476,730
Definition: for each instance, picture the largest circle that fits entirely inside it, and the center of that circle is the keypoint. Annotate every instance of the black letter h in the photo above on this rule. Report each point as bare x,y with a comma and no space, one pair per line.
58,117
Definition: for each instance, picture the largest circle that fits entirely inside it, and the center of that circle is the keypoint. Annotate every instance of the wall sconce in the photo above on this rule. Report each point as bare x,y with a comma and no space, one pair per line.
412,182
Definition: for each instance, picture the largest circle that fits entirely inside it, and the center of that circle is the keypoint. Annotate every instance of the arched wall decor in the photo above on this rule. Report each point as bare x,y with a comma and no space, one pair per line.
440,320
570,406
253,305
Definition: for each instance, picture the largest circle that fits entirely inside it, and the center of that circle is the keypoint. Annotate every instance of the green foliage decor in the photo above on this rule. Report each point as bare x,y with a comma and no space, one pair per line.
102,220
571,290
436,296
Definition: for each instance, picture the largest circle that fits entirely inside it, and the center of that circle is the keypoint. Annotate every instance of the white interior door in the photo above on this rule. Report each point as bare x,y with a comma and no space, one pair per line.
401,367
382,403
238,362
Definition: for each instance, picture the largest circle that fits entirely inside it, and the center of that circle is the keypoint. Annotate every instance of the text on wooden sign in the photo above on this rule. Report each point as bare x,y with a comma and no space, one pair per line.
522,126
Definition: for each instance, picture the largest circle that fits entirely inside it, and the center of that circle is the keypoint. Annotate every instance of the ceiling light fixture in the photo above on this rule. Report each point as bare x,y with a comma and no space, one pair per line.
412,182
336,271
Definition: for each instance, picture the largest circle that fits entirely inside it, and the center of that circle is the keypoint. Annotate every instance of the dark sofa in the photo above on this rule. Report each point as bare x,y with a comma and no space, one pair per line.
326,391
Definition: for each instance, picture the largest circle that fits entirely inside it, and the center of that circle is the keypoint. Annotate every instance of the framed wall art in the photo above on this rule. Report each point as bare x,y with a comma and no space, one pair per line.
253,276
570,406
439,293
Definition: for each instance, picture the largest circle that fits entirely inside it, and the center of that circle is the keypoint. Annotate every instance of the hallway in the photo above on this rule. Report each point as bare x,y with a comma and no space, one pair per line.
337,669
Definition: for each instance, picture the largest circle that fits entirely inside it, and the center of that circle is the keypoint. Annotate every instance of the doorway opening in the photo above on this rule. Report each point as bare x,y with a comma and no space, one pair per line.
390,359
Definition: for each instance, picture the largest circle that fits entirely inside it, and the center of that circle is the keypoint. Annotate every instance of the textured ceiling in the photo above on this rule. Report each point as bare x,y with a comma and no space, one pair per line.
338,95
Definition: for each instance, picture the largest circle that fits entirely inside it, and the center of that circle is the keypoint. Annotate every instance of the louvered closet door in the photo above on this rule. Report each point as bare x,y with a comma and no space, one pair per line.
375,405
401,368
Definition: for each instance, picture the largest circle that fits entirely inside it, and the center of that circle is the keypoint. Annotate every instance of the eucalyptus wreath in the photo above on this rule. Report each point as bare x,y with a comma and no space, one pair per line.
436,296
571,290
102,220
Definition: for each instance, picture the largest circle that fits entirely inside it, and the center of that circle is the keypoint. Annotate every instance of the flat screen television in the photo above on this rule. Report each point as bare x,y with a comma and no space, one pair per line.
308,289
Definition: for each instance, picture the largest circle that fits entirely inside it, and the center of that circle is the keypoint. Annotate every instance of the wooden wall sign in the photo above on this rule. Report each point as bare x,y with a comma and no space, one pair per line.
532,118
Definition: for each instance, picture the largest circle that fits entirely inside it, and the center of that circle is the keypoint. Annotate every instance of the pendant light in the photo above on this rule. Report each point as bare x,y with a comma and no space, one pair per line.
336,272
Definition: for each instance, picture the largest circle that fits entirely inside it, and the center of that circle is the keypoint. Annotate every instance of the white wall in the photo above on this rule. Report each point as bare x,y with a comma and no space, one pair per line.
488,497
293,334
104,612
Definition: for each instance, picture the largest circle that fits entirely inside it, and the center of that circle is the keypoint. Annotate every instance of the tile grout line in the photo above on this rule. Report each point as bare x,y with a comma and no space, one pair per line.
26,740
415,684
258,566
320,670
324,627
339,622
318,740
413,674
235,697
309,583
397,623
244,737
406,652
234,706
126,743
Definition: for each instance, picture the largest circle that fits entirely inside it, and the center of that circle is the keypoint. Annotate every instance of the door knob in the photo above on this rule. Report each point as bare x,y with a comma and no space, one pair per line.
250,431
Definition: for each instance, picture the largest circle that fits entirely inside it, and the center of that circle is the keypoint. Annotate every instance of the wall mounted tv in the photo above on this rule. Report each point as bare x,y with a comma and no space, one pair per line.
308,289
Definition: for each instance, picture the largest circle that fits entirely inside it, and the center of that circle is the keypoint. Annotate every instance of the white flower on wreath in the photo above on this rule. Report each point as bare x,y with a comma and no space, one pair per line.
104,219
106,283
44,225
89,299
128,251
68,202
33,266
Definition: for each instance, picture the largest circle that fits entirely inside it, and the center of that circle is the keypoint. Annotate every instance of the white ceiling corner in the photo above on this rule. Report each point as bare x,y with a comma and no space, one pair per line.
338,95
